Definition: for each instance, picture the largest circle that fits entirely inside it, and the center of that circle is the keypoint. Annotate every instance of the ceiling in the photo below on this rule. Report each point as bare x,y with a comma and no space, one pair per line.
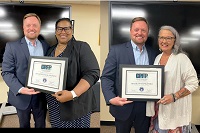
87,2
91,2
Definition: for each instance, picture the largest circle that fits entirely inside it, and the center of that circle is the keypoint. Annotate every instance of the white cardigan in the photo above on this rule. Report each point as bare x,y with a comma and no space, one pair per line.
179,73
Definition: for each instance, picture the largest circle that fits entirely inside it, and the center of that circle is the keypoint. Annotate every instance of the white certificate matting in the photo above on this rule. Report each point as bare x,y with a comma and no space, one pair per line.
141,86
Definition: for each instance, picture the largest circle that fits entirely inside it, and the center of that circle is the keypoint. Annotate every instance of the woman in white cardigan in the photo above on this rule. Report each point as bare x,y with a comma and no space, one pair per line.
172,113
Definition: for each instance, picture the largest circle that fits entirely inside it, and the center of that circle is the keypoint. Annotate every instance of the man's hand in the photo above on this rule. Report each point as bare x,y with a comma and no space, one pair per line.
28,91
118,101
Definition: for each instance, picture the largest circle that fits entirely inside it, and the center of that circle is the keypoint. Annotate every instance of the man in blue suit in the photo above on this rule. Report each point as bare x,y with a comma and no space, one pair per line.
14,72
136,52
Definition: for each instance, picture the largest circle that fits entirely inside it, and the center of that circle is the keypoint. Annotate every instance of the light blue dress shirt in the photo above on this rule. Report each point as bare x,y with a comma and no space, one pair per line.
36,50
141,57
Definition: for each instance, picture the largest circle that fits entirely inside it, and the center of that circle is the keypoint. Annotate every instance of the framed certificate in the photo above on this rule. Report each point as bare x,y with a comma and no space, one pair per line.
142,82
47,74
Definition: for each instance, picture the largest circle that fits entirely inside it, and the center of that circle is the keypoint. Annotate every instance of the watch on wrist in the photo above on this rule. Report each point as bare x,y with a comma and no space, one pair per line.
74,95
175,97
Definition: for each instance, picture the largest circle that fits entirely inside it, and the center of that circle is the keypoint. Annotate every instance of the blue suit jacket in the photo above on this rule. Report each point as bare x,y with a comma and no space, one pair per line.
14,71
119,54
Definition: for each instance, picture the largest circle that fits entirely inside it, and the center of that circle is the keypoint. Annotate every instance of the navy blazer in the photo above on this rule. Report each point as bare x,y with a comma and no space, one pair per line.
14,71
119,54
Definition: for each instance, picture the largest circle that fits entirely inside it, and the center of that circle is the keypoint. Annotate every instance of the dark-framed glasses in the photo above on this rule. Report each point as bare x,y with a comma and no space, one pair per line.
168,38
66,29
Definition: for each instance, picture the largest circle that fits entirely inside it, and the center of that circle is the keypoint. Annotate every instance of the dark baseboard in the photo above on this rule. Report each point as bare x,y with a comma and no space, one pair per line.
107,123
7,104
198,127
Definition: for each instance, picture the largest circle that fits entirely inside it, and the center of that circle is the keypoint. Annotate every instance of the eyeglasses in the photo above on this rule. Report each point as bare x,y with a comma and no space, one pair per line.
66,29
168,39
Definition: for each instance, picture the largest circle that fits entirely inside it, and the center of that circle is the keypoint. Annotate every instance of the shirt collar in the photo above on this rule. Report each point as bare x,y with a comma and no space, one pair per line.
29,43
135,46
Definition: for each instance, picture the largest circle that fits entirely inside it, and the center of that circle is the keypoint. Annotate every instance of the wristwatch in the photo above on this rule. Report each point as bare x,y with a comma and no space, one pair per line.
74,95
175,97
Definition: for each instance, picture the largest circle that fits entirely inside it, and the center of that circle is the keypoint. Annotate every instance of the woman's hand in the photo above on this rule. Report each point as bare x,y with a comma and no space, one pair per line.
166,99
63,96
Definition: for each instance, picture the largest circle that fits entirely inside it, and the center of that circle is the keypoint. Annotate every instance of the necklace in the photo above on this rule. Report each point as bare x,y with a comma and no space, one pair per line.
60,50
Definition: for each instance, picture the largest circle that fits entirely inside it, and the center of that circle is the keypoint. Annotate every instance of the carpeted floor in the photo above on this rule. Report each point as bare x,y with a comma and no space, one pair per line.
111,129
11,121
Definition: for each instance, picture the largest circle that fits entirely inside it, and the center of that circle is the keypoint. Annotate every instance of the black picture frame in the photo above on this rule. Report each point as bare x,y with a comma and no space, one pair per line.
141,82
47,74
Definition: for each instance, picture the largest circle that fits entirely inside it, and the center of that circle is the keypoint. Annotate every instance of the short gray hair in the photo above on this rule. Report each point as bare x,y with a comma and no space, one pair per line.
177,45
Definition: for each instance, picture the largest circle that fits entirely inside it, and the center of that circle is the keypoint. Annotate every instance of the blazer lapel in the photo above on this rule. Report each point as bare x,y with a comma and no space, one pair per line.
130,52
24,48
149,51
68,50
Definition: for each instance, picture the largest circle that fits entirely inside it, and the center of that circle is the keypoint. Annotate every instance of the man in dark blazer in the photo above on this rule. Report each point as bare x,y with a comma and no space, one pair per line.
136,52
14,72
